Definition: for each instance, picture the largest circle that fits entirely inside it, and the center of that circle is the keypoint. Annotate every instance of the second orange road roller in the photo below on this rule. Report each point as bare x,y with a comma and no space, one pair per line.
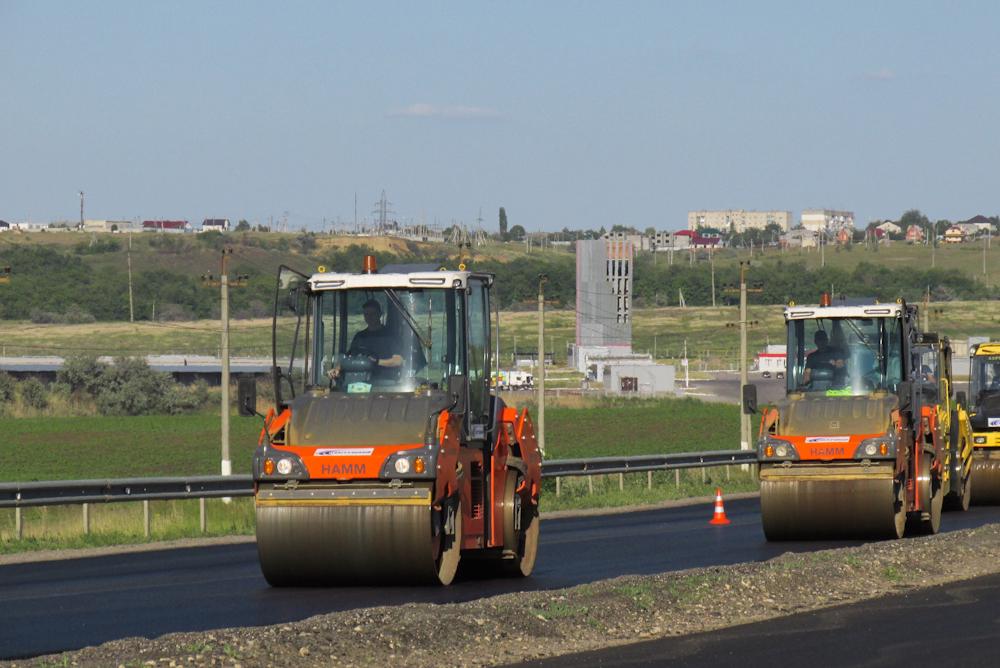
869,439
386,457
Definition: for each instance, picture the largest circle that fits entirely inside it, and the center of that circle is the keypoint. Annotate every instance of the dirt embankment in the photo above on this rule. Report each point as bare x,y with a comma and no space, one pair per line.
514,627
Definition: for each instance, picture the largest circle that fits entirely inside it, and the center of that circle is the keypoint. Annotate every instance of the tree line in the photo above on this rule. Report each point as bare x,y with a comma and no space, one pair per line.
51,285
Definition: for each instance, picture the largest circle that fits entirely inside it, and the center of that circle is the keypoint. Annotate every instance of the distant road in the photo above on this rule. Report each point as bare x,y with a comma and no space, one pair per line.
725,388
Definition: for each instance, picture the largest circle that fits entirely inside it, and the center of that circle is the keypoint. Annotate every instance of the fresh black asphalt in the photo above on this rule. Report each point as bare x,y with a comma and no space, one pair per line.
950,625
61,605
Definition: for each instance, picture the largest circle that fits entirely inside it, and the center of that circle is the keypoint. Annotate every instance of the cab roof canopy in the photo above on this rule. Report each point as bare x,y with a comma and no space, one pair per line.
416,279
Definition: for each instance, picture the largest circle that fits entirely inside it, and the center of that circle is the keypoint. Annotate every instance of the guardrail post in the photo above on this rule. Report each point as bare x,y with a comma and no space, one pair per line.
703,479
727,472
649,480
621,482
86,519
677,478
18,524
590,484
558,485
145,518
201,514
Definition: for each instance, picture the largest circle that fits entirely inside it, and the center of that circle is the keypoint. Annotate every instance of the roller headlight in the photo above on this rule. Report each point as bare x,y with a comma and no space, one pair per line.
776,448
879,447
402,465
979,440
284,466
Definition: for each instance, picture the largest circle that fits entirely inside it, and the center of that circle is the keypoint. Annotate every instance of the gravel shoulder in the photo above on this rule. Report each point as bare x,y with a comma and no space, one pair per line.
515,627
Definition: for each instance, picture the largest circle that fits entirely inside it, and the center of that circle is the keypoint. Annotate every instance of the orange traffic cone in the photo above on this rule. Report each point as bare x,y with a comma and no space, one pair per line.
719,517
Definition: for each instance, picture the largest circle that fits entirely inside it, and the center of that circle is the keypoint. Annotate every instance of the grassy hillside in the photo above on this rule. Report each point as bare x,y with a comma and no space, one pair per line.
664,330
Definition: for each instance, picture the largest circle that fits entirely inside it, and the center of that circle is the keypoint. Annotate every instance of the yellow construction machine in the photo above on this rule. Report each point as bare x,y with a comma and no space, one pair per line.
984,409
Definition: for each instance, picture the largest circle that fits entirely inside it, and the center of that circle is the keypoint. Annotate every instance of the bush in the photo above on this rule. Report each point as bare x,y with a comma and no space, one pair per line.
97,245
186,398
130,387
33,394
82,373
7,387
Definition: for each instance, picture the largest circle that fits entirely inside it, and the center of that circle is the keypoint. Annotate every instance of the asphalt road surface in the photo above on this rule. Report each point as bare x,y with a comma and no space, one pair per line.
949,625
725,388
61,605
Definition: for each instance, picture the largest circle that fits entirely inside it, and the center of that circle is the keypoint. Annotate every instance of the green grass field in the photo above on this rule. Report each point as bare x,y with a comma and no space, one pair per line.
76,448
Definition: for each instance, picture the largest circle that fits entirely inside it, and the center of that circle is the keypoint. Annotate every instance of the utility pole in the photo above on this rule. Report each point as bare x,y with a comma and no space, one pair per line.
686,365
711,261
542,278
744,418
224,284
131,303
984,257
81,209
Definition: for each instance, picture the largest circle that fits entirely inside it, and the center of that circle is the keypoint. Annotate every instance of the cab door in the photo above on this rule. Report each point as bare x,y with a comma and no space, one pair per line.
480,418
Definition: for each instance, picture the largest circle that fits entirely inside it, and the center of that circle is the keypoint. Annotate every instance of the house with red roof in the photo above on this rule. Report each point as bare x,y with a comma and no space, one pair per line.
171,226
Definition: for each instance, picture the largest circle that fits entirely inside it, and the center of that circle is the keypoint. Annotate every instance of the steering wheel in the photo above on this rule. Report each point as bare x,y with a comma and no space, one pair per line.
357,367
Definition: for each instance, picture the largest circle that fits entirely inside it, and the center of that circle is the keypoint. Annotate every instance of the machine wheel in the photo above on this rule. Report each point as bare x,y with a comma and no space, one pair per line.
962,501
929,521
448,545
958,499
520,528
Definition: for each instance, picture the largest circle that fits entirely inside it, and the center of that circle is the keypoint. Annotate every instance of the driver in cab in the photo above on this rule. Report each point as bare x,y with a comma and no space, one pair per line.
374,341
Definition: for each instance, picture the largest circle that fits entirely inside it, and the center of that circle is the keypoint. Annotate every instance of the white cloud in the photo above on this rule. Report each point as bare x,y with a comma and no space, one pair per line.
882,74
450,112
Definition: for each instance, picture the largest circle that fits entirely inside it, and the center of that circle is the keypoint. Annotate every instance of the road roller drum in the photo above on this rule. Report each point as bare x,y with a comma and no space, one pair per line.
986,474
831,503
320,535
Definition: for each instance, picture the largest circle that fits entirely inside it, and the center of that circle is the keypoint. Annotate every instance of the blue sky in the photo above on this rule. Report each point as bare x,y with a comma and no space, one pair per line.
576,114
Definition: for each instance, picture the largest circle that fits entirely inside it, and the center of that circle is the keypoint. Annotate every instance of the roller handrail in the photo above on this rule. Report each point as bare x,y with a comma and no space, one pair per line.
112,490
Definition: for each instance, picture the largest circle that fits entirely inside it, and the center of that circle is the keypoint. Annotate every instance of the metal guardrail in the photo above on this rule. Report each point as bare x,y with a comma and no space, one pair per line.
68,492
682,460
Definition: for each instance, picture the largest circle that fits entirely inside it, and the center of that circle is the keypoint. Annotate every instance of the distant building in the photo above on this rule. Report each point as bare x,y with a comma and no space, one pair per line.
638,241
738,220
4,226
826,220
639,376
107,225
215,225
773,358
955,234
915,234
980,223
889,228
798,238
695,240
171,226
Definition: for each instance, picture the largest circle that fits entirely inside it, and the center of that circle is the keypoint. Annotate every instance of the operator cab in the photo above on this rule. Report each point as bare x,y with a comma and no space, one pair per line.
844,350
410,330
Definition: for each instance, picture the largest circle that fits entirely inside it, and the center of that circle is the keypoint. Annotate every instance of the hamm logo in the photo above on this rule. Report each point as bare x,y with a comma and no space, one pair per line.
342,469
828,452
